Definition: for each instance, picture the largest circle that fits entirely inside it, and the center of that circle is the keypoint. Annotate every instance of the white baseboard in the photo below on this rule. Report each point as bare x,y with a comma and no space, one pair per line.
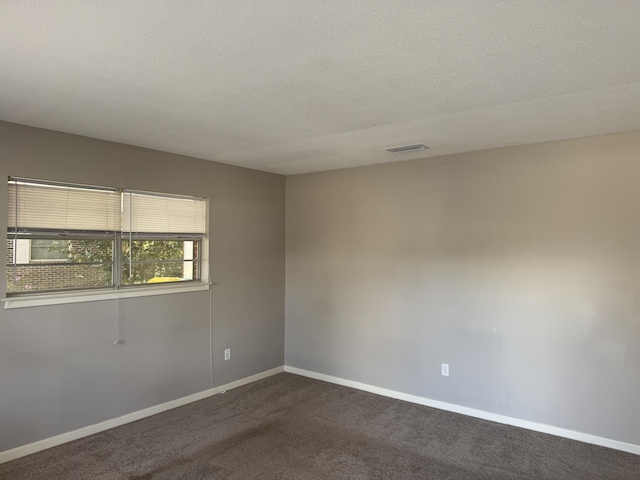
472,412
25,450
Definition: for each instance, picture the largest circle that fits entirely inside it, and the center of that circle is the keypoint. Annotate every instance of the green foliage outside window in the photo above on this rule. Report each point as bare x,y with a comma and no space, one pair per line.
150,259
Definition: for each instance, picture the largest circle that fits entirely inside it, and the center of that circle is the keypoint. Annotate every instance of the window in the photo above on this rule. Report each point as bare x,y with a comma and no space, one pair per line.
68,237
48,250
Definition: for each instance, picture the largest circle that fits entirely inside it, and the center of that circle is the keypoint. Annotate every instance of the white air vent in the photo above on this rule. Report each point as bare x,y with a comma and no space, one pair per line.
408,148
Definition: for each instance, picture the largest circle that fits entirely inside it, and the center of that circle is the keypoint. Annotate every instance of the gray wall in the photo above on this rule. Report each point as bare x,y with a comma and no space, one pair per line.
520,267
59,369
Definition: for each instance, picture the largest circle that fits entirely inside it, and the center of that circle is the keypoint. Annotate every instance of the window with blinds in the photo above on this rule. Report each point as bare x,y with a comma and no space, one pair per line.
72,237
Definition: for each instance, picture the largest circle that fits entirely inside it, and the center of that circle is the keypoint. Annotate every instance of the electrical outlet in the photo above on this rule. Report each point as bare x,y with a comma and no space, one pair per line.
445,369
227,354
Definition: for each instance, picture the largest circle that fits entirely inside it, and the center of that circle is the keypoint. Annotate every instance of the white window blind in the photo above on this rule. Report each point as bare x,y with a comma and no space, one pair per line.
59,208
153,214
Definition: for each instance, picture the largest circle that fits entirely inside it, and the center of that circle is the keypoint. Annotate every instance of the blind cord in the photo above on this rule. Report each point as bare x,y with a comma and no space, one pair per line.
117,272
116,326
15,240
211,370
130,239
211,374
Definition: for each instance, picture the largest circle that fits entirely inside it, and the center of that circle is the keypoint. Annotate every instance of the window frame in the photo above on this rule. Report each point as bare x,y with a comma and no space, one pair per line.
117,288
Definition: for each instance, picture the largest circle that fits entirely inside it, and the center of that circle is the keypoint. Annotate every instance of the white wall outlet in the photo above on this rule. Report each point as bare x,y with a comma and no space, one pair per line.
445,369
227,354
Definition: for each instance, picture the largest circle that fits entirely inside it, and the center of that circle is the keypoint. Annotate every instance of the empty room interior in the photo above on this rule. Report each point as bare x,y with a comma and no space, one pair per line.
320,239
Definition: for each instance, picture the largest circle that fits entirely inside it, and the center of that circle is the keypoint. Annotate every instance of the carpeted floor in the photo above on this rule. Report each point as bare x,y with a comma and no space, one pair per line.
291,427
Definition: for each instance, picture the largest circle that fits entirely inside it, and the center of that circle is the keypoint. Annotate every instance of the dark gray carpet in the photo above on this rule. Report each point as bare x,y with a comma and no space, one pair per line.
291,427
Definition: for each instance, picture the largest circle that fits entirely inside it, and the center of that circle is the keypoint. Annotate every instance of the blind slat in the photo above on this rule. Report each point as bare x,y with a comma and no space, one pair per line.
46,207
51,207
154,213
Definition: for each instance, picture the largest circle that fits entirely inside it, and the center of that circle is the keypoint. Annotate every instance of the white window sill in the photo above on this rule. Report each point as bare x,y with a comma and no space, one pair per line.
36,300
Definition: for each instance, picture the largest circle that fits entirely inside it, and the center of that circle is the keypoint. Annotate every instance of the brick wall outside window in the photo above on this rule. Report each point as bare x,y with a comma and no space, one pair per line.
42,277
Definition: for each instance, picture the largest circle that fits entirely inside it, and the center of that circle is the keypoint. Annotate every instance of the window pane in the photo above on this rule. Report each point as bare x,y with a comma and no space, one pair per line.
71,251
91,251
158,249
50,250
87,264
156,272
159,261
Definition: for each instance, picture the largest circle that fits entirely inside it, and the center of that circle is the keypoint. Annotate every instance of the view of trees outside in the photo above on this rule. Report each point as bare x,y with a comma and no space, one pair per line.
89,263
154,261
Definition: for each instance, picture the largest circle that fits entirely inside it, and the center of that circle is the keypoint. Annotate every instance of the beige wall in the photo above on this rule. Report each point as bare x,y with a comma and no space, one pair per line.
59,368
520,267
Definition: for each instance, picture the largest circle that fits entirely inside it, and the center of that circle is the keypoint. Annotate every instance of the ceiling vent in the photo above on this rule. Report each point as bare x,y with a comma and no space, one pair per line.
408,148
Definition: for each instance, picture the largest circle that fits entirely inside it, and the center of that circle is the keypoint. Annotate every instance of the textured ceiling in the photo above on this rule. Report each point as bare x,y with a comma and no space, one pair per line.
295,86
